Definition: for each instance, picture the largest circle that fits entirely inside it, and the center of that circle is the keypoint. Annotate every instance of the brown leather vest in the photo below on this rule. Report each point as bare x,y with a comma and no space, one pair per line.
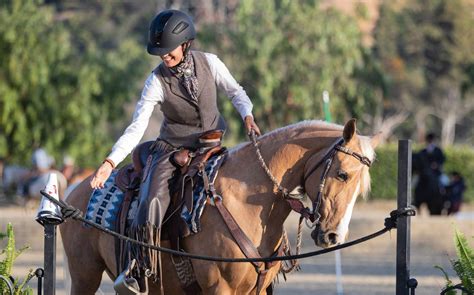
184,118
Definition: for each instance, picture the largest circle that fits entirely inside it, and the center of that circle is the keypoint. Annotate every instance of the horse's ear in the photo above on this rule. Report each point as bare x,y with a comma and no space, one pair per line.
349,130
376,140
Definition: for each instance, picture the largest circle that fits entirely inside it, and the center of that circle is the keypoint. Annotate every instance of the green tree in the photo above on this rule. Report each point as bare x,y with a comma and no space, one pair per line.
369,101
61,87
424,48
285,54
447,56
30,46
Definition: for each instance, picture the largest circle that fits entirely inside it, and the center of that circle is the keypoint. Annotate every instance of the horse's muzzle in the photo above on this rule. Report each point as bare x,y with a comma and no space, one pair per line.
325,239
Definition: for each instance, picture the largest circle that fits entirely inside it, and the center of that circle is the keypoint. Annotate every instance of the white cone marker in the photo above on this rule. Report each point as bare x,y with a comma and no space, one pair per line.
48,211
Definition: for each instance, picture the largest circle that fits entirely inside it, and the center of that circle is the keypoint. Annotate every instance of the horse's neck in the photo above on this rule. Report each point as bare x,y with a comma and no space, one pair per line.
287,156
264,206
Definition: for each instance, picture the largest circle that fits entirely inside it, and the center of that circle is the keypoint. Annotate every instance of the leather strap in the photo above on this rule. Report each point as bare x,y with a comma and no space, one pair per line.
240,237
298,206
262,275
246,245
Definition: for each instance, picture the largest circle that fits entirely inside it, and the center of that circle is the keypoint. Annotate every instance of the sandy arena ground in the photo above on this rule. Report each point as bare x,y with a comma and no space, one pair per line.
367,268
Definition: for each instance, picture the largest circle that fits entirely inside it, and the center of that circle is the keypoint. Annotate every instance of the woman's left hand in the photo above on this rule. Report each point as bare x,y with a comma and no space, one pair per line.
251,125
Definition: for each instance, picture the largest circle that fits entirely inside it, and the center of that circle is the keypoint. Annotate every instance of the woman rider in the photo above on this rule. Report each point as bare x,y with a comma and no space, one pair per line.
174,83
184,85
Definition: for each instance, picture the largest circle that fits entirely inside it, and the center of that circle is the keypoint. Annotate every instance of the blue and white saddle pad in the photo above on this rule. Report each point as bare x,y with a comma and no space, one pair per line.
104,204
193,217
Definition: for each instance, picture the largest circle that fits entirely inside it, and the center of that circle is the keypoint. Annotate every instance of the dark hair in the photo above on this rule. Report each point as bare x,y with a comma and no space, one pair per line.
430,137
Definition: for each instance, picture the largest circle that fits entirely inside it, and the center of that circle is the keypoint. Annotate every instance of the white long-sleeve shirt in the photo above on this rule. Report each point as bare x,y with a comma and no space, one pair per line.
152,94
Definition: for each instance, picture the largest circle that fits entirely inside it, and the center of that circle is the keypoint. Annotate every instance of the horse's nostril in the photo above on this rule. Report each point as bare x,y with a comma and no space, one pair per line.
332,238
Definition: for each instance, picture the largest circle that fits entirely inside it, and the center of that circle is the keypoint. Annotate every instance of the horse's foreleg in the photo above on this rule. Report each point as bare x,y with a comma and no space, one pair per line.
86,284
84,261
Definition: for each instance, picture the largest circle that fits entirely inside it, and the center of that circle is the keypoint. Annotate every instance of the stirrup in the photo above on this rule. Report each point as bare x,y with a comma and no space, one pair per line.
126,284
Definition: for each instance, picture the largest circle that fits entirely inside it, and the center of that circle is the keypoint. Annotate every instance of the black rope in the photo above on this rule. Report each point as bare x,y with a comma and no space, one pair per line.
70,211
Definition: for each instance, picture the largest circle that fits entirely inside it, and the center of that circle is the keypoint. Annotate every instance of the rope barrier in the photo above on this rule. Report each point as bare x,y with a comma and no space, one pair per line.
69,211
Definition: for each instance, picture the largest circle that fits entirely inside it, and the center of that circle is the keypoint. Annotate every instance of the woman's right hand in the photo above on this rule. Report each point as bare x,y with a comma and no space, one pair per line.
101,175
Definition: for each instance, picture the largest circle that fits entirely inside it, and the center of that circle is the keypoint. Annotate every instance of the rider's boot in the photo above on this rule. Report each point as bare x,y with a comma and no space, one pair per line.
154,199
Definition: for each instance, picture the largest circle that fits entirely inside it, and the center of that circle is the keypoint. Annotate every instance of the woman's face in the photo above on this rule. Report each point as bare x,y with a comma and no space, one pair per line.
174,57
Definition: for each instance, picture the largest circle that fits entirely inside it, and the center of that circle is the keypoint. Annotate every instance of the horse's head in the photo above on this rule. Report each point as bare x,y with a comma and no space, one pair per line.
342,170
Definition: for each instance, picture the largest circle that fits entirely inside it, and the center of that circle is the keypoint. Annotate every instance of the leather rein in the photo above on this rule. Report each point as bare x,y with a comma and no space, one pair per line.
293,200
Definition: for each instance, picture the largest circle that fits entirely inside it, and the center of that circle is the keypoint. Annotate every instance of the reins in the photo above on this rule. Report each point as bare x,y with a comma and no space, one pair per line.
281,189
69,211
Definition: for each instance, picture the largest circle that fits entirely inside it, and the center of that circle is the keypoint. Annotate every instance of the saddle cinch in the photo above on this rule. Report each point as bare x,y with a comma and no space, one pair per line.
189,167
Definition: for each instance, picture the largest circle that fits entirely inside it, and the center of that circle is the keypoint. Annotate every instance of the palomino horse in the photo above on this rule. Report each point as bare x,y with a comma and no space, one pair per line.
293,155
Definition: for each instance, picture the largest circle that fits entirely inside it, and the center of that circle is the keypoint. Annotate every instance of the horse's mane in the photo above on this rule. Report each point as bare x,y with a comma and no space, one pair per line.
290,131
302,127
368,151
311,126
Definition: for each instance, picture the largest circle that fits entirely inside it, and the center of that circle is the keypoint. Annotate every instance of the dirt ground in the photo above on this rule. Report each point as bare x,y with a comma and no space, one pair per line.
367,268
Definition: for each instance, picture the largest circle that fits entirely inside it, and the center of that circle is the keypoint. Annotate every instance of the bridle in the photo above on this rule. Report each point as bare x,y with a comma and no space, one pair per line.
294,201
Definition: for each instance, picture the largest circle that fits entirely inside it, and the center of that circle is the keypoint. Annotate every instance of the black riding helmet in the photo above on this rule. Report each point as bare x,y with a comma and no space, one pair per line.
168,30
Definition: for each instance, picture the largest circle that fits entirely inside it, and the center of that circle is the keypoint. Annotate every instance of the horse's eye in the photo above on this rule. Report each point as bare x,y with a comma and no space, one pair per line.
342,175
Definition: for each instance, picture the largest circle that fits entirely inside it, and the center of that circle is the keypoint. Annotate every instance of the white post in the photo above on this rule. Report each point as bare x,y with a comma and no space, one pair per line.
337,256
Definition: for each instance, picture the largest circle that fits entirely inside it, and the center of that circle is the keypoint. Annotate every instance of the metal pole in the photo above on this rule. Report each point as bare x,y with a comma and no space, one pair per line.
327,111
39,273
49,216
49,259
403,222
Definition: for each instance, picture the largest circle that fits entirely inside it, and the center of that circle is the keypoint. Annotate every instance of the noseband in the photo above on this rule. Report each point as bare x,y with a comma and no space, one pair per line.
312,215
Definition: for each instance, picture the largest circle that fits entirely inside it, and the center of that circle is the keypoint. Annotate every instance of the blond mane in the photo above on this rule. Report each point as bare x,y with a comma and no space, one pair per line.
290,131
368,151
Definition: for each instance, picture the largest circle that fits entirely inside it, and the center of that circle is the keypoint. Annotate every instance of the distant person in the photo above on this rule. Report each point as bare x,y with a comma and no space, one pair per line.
42,163
68,169
434,154
428,165
454,192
